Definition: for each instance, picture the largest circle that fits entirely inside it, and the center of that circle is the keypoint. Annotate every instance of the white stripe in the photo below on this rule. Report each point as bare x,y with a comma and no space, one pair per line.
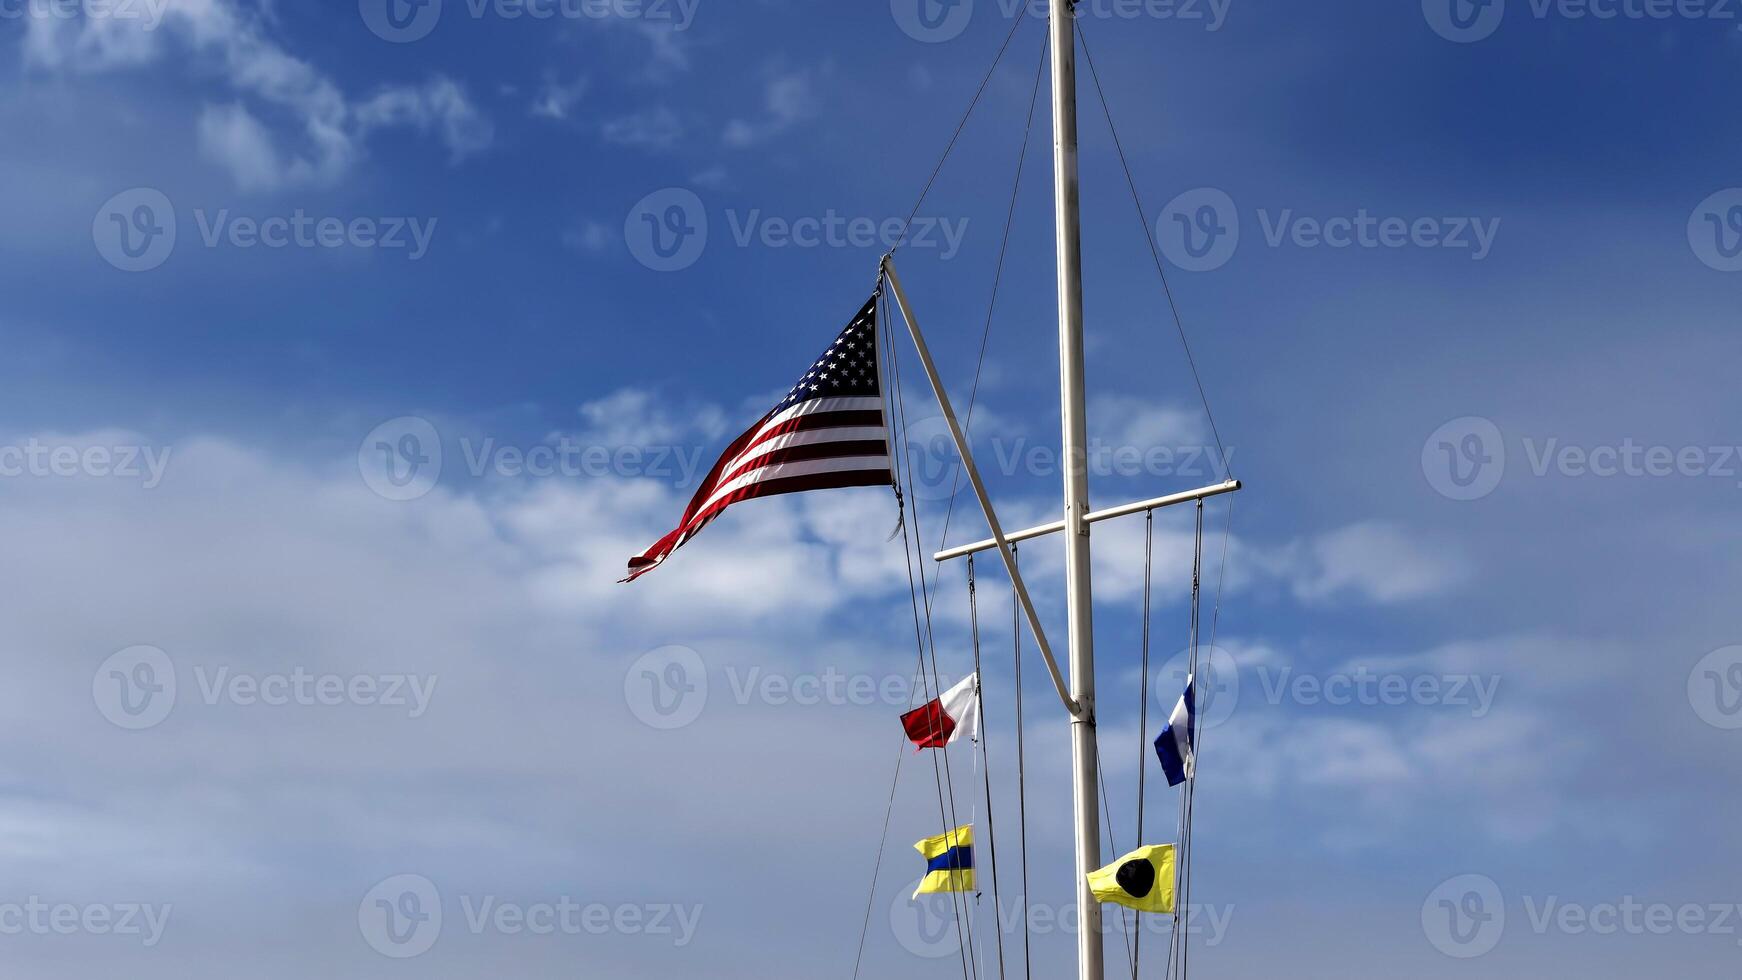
781,471
1181,716
817,405
962,704
812,437
1179,725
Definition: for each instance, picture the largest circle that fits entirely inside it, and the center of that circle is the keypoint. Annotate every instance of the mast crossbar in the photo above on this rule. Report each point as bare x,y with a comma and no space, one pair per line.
1126,510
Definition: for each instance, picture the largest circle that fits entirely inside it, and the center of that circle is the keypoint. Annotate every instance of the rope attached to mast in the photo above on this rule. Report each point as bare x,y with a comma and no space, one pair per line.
1021,773
949,147
920,588
923,592
888,813
997,280
986,765
921,632
1155,254
1179,947
1143,716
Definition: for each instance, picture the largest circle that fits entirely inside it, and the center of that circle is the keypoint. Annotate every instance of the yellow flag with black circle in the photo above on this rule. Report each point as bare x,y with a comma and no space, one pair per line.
1142,880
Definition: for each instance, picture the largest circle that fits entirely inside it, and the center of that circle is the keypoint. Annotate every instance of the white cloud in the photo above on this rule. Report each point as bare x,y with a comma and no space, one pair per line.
330,129
653,129
1507,775
788,99
642,417
505,592
1374,561
668,47
242,559
1125,421
97,44
231,137
556,99
439,105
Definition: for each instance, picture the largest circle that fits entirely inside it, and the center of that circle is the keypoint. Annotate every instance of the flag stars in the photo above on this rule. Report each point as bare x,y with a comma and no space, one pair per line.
847,366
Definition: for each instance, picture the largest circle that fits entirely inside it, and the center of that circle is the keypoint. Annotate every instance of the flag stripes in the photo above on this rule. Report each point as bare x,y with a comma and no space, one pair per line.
830,431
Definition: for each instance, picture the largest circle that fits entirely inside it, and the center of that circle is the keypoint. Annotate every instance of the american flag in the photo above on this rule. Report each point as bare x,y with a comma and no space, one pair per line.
829,431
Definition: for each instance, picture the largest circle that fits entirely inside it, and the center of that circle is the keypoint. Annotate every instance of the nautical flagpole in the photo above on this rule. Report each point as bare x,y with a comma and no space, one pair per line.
1078,691
1079,597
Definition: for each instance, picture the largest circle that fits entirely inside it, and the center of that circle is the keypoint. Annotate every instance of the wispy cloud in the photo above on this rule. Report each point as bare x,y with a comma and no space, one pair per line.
789,97
556,99
329,128
653,129
1372,560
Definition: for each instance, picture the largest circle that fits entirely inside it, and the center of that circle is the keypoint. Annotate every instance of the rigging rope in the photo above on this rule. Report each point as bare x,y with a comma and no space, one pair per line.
943,777
888,812
1221,575
997,280
1021,770
1155,254
1181,939
958,133
985,338
1143,715
919,634
974,821
986,760
920,587
1113,846
1197,729
924,636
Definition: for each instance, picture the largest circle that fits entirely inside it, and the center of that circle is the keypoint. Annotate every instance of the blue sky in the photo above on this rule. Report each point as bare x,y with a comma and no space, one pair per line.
1485,448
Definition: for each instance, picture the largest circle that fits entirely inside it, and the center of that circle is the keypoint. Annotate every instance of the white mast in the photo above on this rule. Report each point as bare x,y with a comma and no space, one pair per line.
1079,598
1078,695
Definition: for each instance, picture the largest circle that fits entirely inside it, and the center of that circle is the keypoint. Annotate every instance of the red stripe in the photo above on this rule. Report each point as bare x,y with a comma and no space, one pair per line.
650,559
757,434
821,420
712,480
796,484
816,450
